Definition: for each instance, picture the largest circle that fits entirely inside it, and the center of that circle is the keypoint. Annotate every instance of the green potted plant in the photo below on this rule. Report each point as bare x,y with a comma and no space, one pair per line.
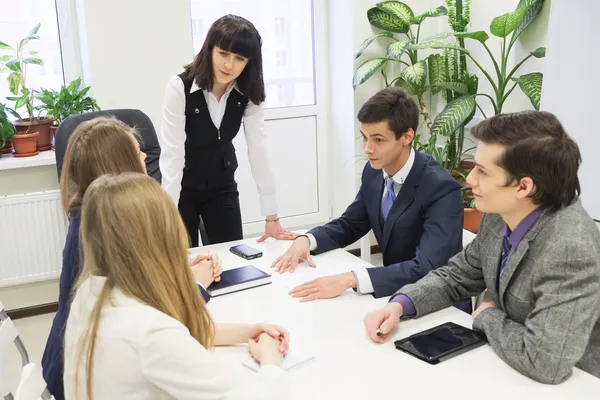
69,100
461,106
30,128
7,130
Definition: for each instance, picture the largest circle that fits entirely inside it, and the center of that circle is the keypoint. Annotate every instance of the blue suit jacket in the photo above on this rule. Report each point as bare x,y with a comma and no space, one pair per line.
422,231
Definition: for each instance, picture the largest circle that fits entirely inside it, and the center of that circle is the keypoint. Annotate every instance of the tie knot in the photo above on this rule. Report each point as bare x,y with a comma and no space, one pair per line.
389,183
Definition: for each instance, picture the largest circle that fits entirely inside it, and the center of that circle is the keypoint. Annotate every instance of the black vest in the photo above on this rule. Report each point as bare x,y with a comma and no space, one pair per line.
210,159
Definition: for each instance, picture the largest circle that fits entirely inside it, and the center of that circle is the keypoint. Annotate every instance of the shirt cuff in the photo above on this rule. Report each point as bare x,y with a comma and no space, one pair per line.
363,281
313,241
268,204
408,307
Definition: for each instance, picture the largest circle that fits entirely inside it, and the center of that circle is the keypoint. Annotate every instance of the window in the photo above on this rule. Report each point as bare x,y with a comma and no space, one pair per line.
281,57
286,28
18,19
280,26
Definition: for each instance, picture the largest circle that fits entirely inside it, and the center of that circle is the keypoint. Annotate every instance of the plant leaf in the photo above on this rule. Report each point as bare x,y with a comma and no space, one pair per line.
533,9
20,102
531,85
407,87
415,75
5,58
472,83
370,40
36,61
35,30
397,49
437,12
436,66
13,65
480,36
503,25
366,70
453,115
386,21
458,87
437,45
4,46
34,53
14,79
540,52
399,10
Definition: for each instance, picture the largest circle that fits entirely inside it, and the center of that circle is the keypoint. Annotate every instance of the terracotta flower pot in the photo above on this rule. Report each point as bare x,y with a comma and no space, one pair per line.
472,219
7,148
39,125
25,144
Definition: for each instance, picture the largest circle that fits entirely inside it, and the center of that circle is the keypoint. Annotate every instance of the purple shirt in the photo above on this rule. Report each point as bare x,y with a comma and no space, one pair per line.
514,238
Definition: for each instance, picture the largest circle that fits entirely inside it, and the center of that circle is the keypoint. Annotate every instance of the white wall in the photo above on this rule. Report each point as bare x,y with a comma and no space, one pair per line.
131,48
571,89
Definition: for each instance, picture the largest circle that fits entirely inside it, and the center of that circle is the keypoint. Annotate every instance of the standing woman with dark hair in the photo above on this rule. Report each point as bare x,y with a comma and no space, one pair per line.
203,111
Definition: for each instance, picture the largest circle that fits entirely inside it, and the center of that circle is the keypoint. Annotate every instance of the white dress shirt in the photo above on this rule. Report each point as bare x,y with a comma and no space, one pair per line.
142,353
172,141
363,280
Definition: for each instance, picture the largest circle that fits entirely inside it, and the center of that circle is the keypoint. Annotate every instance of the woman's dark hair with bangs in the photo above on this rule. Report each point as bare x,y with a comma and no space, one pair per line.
237,35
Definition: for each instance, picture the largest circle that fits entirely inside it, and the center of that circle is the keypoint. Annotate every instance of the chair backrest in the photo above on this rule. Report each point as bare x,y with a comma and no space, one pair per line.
31,384
134,118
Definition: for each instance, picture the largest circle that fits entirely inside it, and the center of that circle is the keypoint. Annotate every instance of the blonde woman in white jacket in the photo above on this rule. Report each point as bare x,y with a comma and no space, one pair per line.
138,327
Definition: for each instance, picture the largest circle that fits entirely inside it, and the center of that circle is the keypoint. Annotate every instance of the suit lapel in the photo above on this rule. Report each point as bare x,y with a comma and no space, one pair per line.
405,197
512,263
494,257
515,258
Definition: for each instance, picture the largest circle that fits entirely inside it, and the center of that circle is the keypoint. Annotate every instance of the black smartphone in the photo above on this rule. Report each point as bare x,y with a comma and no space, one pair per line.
441,343
245,251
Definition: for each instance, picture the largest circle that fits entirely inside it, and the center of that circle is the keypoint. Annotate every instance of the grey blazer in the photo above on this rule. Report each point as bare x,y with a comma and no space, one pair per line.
547,318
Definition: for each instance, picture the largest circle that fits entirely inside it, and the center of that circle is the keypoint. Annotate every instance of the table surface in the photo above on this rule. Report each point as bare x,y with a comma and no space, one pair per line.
347,364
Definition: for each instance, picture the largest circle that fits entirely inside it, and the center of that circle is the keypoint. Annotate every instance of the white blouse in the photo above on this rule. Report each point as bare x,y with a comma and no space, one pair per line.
142,353
172,141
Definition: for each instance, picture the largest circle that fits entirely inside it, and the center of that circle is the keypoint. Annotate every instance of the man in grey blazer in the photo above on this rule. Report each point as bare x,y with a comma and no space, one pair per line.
537,254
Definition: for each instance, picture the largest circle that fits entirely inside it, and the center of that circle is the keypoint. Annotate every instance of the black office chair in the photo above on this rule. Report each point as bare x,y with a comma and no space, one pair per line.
133,118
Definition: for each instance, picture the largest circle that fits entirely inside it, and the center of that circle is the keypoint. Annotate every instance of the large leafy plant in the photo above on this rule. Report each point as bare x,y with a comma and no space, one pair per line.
402,29
15,65
508,28
69,100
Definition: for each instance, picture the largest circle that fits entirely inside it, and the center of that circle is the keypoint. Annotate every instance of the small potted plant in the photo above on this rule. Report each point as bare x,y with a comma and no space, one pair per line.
70,100
30,128
7,130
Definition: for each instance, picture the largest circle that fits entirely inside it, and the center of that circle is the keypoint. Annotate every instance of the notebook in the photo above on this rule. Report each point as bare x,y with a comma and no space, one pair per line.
293,359
242,278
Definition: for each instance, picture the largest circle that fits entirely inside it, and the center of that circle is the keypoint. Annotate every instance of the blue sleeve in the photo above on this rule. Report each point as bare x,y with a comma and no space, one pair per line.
441,240
204,293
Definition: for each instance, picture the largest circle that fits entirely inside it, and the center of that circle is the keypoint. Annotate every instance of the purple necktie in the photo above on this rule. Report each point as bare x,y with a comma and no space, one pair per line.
388,197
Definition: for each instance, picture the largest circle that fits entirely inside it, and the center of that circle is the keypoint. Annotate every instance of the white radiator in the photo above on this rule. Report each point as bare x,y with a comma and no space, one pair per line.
32,235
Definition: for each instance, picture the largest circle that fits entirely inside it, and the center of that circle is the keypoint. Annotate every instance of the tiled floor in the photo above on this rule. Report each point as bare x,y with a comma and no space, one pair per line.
33,332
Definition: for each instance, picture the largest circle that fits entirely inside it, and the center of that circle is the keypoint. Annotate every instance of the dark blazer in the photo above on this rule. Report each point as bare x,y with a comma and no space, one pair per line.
422,231
53,358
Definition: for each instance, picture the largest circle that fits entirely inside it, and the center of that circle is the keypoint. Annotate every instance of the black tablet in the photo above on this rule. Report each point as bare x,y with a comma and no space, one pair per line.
441,342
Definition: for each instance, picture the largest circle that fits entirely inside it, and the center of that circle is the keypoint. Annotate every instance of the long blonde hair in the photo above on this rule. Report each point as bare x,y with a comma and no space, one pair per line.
133,235
99,146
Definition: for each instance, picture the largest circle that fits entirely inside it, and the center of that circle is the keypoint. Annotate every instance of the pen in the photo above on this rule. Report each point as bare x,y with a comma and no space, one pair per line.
378,332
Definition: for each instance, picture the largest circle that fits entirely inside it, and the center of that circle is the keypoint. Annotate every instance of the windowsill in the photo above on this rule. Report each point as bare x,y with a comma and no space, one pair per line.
8,161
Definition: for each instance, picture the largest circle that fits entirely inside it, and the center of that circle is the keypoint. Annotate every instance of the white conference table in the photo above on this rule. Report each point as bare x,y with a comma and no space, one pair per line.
347,364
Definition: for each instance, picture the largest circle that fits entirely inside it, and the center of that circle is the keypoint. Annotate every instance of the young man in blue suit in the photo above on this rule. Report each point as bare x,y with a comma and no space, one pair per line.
412,204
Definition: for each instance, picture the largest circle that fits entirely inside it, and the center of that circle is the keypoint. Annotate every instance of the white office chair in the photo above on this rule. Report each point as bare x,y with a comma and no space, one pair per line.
31,385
